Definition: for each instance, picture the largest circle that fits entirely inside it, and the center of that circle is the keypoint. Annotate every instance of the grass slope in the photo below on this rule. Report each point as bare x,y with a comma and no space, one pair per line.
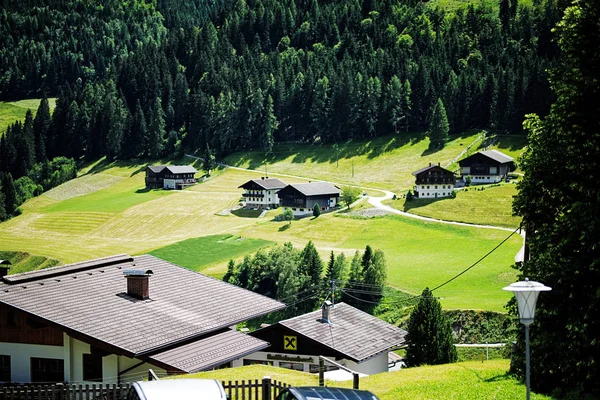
13,111
198,253
23,262
486,205
119,216
467,380
385,162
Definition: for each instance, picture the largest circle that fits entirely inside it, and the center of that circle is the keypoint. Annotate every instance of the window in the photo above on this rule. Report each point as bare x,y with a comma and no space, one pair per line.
92,367
436,186
47,370
259,362
427,186
5,368
314,368
290,365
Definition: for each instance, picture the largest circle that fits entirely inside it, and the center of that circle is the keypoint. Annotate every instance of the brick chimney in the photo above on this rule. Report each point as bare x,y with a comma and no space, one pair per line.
138,283
4,266
326,311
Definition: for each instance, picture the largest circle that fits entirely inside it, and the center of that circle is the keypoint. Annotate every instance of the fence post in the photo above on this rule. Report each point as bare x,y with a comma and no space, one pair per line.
321,372
355,381
266,388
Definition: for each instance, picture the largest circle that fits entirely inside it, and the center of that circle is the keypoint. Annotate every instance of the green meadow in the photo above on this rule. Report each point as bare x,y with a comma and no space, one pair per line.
464,380
13,111
198,253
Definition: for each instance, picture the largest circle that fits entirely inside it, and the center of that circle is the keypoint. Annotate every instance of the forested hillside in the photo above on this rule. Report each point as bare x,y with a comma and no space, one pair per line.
144,79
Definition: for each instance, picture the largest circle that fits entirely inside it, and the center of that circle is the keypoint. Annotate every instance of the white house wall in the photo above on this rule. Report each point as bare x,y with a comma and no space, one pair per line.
372,366
270,198
430,190
72,353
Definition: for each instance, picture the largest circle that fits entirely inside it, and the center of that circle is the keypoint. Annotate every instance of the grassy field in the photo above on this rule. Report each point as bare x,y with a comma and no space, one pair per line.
199,253
113,213
466,380
11,112
22,262
487,205
384,163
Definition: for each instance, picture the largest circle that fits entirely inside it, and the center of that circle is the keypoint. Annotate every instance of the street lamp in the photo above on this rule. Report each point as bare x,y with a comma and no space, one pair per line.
527,294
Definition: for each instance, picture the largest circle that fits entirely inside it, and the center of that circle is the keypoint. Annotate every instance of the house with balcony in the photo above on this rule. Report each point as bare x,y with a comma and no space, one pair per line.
434,181
302,197
262,193
109,320
488,166
170,176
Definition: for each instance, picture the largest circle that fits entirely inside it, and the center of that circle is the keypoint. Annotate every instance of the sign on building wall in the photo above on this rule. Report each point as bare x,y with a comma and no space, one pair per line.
290,343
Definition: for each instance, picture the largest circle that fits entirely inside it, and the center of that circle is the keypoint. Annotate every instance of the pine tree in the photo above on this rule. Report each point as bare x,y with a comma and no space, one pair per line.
438,128
320,108
310,263
429,334
209,160
41,126
156,130
8,190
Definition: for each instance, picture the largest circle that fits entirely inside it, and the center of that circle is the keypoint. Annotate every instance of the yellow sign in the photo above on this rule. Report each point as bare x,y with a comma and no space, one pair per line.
290,343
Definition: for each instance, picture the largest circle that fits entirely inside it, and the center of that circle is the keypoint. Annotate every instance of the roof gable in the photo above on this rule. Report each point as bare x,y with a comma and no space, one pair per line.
90,300
266,184
490,155
181,169
352,332
432,168
315,189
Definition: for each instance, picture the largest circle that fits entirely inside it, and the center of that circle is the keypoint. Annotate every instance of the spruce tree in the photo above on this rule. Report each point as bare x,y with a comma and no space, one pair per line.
9,192
310,263
429,334
438,128
41,126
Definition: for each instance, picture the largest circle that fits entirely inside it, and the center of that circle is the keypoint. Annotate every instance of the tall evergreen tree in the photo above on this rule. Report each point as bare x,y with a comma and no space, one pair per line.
438,128
429,334
156,130
559,200
8,190
311,264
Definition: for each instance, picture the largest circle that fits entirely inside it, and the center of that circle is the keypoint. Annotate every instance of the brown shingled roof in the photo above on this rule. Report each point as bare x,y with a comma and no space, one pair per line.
352,332
89,300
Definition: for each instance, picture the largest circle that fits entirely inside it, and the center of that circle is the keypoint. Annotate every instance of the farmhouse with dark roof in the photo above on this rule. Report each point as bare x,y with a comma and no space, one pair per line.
262,193
170,176
302,197
109,320
433,182
354,338
488,166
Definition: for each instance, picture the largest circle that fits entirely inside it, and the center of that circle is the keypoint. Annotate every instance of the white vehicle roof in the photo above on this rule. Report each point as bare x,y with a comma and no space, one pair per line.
184,389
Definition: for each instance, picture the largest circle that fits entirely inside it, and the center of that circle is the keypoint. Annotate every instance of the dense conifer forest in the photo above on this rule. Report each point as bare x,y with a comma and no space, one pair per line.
150,79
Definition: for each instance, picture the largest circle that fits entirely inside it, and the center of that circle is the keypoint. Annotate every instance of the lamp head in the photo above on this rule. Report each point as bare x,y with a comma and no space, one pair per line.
527,293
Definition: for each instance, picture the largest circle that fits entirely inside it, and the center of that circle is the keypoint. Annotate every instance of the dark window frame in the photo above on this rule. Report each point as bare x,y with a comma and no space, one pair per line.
49,370
92,367
5,371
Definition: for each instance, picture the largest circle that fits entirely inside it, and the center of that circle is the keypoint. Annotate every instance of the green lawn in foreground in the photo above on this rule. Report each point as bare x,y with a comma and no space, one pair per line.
198,253
12,111
467,380
384,162
484,205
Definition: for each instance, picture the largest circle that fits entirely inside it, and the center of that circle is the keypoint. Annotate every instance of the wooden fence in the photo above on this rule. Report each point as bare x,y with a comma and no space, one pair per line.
264,389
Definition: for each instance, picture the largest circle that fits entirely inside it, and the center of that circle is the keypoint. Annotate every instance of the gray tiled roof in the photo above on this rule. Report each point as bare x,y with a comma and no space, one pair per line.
417,172
89,299
352,332
210,352
181,169
269,183
156,168
497,156
316,188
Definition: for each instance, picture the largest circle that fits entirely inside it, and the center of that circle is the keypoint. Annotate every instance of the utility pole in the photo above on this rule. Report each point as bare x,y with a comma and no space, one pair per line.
353,168
332,293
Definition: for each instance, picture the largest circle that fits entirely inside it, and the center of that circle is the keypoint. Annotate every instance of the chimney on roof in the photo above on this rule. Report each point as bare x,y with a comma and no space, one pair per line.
262,178
430,164
4,266
438,164
325,311
138,282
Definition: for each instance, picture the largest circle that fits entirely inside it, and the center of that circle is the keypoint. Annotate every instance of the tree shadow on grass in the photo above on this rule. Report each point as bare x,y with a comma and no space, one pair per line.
418,203
284,228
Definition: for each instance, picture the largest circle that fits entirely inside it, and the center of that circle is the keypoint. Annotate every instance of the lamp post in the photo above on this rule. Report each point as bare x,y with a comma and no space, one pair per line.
527,294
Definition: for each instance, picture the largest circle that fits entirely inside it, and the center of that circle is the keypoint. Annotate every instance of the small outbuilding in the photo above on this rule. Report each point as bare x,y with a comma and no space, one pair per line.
434,181
488,166
302,197
342,333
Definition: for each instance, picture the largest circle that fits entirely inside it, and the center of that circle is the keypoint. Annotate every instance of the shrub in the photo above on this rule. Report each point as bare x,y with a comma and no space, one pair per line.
316,210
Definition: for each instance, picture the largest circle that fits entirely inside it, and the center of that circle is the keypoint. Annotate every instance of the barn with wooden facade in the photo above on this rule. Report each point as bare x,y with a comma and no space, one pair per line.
262,193
488,166
111,319
434,181
302,197
170,176
342,333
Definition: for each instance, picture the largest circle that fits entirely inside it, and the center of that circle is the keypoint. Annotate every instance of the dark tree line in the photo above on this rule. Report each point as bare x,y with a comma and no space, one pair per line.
302,280
234,75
